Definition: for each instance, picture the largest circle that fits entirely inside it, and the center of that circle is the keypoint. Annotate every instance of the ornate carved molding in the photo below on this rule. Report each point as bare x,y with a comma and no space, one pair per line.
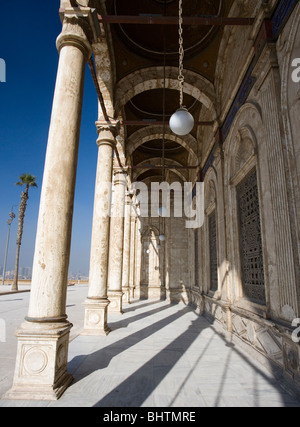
80,28
75,32
107,132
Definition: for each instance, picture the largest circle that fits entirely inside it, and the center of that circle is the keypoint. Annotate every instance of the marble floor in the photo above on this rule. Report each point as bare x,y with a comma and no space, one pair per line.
157,355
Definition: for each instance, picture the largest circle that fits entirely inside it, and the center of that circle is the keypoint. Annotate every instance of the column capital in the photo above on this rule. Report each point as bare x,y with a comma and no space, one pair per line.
107,132
120,170
120,176
112,126
75,32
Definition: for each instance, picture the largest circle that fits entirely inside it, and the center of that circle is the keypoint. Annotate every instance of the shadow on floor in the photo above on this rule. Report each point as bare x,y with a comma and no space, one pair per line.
124,323
137,306
101,358
136,389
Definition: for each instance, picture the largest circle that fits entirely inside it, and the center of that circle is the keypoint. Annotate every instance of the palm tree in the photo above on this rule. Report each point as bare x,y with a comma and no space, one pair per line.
29,181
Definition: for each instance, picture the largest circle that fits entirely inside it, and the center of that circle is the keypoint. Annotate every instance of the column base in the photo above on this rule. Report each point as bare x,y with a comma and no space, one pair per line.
95,319
126,295
41,365
131,292
177,295
115,298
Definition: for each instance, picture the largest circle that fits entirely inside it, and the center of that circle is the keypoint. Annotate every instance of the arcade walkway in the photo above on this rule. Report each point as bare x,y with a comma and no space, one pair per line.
158,355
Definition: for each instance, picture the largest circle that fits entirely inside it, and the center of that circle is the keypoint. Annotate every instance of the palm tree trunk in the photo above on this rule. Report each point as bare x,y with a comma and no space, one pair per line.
15,283
22,209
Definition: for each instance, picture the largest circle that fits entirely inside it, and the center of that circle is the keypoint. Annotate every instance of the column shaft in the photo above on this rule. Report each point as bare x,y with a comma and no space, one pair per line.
138,259
116,242
95,322
132,260
126,250
41,366
101,222
52,251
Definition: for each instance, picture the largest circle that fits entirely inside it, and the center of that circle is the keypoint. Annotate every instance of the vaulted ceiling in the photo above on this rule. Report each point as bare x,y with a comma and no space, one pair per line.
141,47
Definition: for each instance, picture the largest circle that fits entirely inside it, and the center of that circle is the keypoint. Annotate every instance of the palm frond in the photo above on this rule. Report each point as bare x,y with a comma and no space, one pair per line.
27,179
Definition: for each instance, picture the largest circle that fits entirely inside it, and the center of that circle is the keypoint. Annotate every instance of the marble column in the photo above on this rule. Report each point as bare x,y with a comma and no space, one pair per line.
96,304
138,259
115,293
132,260
41,366
126,250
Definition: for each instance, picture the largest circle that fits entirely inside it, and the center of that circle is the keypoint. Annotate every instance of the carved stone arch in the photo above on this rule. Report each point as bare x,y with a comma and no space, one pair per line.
155,132
152,78
149,231
139,172
210,188
154,178
247,128
245,151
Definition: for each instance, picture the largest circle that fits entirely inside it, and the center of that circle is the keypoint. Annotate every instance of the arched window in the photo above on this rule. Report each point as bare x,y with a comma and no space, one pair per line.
251,252
213,258
247,245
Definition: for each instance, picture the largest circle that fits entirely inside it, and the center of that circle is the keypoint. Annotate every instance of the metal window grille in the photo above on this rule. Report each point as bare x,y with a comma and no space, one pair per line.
251,254
212,224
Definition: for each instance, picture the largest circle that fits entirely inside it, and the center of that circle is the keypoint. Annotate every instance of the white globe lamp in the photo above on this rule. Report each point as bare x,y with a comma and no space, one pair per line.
181,122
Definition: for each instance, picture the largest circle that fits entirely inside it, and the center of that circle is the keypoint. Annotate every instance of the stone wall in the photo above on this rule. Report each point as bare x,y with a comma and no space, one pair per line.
263,137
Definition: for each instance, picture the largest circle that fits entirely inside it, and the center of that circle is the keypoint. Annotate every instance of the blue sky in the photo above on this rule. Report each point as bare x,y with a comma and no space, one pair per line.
27,44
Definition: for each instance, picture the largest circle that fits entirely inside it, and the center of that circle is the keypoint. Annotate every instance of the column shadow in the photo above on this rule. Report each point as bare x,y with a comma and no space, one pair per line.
139,306
134,391
138,387
124,323
87,364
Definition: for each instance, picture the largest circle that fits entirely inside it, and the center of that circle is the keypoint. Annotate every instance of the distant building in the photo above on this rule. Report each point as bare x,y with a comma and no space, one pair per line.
26,272
2,71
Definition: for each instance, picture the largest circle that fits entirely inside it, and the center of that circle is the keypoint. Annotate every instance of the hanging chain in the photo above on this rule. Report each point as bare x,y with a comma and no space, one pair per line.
181,54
